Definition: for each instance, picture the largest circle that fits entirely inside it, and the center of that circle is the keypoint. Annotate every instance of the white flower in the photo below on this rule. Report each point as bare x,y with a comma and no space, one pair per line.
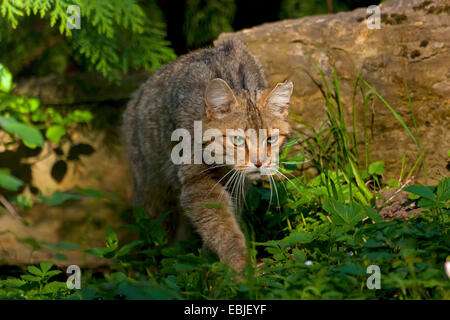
308,263
447,268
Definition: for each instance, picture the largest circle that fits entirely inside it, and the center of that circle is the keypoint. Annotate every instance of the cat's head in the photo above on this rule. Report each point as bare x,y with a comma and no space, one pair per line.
253,126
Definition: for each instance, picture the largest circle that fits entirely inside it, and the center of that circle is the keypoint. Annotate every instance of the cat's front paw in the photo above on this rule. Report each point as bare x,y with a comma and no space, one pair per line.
238,262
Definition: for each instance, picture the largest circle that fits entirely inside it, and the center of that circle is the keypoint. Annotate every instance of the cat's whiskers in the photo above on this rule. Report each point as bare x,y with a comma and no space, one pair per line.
271,192
293,184
233,195
242,188
242,191
276,190
225,190
236,184
226,174
281,180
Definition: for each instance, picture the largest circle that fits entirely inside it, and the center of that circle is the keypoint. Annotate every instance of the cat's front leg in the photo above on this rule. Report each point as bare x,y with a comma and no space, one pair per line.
209,207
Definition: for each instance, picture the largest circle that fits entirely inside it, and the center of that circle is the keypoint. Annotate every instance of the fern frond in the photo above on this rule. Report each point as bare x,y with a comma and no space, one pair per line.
12,9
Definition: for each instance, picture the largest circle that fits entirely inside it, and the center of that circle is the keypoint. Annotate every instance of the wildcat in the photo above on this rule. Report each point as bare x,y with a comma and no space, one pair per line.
225,88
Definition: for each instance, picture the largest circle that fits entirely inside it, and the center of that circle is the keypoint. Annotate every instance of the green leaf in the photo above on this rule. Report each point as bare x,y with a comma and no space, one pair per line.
300,256
294,162
443,189
351,269
422,191
62,246
393,183
127,248
426,203
36,271
54,287
31,242
30,278
9,182
297,237
95,194
6,83
45,266
60,256
377,168
59,197
101,252
375,216
111,238
33,104
172,251
55,133
52,273
343,214
29,134
13,282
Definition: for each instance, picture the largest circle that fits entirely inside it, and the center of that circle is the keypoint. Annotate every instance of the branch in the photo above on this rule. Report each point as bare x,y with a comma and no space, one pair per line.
9,207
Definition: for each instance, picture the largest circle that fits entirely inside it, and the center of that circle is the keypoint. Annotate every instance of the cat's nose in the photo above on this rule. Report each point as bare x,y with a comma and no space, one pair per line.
258,164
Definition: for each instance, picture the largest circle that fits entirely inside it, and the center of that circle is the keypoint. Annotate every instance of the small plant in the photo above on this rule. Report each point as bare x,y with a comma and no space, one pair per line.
25,124
34,284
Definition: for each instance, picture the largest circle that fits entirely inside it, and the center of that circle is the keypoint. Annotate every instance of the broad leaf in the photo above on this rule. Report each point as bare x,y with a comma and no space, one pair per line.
29,134
36,271
377,168
443,190
342,213
127,248
55,133
9,182
102,252
59,197
46,266
422,191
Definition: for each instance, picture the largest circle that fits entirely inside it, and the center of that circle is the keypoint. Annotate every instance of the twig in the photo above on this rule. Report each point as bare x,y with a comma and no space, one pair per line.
9,207
400,189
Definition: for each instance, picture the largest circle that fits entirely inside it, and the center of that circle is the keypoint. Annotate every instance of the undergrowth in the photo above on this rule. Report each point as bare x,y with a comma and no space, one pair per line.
308,239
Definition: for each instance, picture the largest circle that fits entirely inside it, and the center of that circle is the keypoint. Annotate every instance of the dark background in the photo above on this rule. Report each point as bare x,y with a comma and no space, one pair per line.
249,13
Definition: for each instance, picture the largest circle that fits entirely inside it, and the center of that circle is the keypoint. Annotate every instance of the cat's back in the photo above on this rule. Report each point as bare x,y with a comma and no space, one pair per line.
230,61
180,85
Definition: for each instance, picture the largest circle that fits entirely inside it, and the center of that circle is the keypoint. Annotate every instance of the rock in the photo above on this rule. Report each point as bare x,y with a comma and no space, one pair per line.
413,41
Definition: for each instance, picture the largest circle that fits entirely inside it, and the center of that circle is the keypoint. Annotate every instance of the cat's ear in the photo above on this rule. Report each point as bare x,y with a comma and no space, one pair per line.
219,99
277,102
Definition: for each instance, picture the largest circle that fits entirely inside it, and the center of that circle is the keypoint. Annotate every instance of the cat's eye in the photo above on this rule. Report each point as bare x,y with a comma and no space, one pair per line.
238,141
272,139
